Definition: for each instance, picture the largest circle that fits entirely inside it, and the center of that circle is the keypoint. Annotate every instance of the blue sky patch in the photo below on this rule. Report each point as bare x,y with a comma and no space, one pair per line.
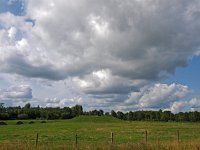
16,7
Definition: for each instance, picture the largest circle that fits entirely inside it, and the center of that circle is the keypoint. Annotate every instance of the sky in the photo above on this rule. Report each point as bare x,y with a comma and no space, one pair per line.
124,55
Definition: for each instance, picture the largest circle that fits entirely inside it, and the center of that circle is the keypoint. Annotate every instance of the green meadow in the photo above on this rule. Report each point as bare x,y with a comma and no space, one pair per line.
96,131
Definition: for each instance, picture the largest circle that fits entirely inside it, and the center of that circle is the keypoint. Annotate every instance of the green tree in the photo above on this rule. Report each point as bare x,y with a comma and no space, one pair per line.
181,116
113,113
1,107
4,116
107,113
194,116
27,106
22,116
166,116
77,110
101,112
120,115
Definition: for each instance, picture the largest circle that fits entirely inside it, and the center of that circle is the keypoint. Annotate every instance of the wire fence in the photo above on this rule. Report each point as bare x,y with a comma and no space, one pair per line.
109,138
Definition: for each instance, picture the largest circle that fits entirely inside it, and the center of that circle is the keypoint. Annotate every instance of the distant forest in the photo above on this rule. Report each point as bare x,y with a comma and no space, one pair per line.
28,112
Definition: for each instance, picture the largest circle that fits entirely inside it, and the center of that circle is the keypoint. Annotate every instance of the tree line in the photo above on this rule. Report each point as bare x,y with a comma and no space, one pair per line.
28,112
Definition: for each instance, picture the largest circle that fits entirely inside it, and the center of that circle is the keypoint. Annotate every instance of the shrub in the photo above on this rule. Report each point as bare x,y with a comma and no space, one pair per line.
3,123
31,122
43,121
66,115
19,123
22,116
4,116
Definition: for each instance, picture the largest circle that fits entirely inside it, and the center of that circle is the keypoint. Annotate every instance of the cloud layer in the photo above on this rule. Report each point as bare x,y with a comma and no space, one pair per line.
110,49
16,95
132,39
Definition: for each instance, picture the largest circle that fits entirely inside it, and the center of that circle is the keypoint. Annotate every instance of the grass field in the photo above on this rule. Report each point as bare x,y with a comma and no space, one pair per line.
95,132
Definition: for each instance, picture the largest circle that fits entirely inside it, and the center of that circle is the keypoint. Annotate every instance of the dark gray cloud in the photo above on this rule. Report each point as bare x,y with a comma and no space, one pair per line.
109,48
17,64
16,93
133,39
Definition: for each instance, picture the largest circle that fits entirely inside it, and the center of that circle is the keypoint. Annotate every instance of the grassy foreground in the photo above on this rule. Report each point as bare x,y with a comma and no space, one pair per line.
128,146
94,133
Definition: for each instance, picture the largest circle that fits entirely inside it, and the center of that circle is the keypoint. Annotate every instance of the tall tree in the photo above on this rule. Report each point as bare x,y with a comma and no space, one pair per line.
77,110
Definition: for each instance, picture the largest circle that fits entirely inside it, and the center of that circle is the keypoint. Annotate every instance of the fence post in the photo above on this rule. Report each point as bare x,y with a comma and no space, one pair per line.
112,137
76,139
36,142
146,137
178,136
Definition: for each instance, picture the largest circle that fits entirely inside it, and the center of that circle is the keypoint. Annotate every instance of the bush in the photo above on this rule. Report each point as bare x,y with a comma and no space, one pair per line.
31,122
3,123
22,116
19,123
52,116
4,116
43,122
66,116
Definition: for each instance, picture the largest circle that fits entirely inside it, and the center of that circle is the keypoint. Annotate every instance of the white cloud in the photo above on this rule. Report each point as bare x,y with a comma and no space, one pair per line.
56,102
104,82
16,95
22,91
194,103
110,49
78,38
12,32
157,96
178,106
98,25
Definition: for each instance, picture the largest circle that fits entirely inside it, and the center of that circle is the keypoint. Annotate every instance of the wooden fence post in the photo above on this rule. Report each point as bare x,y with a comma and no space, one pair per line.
112,137
36,142
146,137
76,139
178,136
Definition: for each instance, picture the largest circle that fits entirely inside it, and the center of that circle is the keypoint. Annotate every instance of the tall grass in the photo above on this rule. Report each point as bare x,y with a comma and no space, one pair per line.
194,145
94,133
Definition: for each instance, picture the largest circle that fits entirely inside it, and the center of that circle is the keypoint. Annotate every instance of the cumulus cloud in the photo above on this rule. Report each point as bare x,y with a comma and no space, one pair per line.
178,106
194,104
56,102
103,82
158,96
110,49
124,37
21,93
188,105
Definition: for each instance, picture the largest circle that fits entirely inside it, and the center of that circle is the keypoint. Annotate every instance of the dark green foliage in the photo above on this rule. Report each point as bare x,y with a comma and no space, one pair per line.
120,115
107,113
2,123
22,116
66,115
53,114
4,116
1,107
113,113
27,106
77,110
31,122
19,123
49,113
43,121
194,116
